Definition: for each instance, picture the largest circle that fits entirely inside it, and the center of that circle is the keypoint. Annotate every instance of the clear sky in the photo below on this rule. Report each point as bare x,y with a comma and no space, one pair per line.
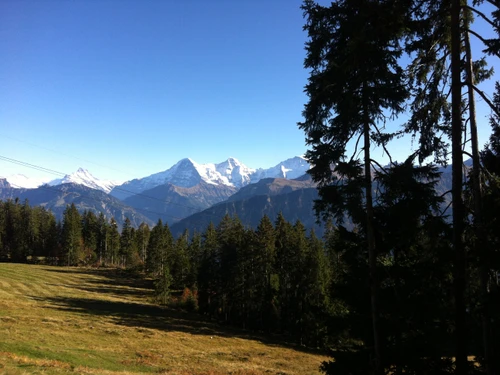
126,88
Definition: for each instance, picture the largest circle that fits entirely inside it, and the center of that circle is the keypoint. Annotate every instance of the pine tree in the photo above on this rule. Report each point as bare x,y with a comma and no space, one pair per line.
179,261
162,287
129,256
354,84
209,273
103,231
142,237
114,243
72,235
89,235
265,277
195,258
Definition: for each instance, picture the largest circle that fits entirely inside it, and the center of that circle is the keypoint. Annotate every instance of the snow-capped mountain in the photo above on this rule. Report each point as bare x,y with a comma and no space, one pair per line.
231,172
22,181
85,178
187,173
290,169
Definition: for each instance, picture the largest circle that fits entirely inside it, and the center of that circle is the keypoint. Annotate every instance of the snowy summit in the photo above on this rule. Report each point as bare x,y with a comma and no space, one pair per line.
85,178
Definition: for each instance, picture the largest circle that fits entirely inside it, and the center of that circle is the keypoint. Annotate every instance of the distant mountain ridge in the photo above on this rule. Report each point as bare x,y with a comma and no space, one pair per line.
231,172
185,173
56,198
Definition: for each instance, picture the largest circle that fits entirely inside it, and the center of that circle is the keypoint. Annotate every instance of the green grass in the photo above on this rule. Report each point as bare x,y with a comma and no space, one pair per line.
63,320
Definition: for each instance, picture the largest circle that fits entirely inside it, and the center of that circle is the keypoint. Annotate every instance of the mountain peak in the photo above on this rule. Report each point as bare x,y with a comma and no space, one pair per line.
230,172
22,181
83,177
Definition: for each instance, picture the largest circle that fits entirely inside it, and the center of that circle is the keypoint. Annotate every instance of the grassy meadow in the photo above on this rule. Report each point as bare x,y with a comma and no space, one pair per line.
64,320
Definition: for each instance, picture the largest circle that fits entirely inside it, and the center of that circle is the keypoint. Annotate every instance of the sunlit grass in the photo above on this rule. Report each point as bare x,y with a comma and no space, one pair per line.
61,320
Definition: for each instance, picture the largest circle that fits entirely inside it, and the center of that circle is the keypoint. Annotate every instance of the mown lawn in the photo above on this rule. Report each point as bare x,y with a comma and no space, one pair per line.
63,320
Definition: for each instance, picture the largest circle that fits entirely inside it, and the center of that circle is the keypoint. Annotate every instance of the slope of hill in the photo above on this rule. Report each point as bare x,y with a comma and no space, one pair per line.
60,320
172,203
270,187
295,205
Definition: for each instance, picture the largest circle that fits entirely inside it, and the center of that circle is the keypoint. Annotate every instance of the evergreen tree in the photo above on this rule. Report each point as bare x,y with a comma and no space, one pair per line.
72,236
129,256
48,238
209,274
142,237
89,235
13,227
114,243
354,84
284,264
316,303
195,258
162,287
103,231
265,278
179,261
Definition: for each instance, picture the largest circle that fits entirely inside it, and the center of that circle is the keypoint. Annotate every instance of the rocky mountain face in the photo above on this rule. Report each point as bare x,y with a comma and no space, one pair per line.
172,195
190,195
4,184
172,203
187,173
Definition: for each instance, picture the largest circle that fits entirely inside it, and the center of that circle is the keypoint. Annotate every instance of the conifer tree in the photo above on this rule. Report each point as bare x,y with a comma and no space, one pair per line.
89,235
103,231
114,243
355,82
162,287
265,277
179,261
129,256
209,274
72,235
142,237
195,258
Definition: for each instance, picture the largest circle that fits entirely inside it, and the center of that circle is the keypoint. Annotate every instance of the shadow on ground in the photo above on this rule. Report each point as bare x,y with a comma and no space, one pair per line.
135,314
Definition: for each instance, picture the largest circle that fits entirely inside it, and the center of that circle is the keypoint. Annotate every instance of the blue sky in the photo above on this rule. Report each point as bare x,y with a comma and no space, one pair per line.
127,88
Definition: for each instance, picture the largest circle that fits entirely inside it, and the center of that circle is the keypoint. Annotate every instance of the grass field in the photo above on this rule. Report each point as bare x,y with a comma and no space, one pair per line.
62,320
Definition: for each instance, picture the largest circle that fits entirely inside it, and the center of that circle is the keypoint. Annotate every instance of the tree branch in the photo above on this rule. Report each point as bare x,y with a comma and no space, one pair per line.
378,165
485,42
481,14
488,101
356,147
466,153
383,144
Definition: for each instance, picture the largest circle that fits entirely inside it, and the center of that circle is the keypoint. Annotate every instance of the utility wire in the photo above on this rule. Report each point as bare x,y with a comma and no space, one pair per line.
65,154
57,173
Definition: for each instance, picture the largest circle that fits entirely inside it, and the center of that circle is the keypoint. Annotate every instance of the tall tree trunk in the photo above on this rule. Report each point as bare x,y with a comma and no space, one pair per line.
458,204
481,248
370,236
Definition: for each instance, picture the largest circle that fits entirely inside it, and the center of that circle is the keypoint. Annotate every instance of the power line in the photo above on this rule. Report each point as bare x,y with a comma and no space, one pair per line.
65,154
57,173
53,188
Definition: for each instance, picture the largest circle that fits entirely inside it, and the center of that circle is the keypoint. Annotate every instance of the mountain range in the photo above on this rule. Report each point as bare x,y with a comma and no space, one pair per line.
188,195
184,189
187,173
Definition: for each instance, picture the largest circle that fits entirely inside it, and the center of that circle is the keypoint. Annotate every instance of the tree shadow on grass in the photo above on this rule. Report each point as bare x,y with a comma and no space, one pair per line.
135,314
